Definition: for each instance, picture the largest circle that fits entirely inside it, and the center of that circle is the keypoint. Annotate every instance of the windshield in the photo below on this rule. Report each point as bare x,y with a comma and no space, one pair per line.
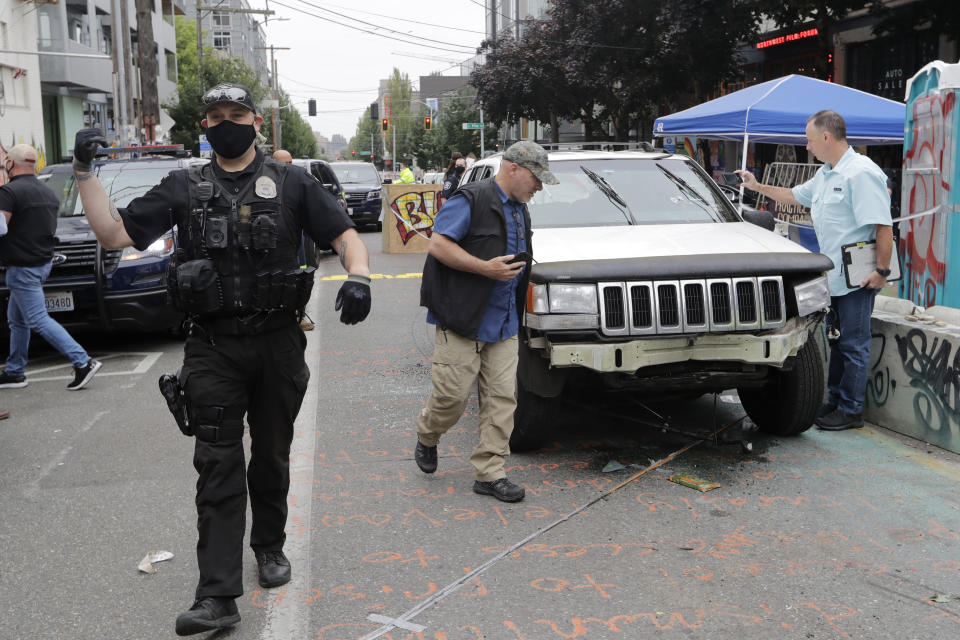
62,184
356,173
121,187
680,195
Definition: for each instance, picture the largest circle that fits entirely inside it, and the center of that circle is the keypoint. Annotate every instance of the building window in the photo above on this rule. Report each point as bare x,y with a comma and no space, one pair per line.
221,19
171,65
221,39
93,115
78,27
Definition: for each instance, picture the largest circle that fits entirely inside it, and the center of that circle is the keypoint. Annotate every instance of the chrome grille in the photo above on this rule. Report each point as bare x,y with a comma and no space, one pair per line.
641,307
613,304
353,199
692,306
81,259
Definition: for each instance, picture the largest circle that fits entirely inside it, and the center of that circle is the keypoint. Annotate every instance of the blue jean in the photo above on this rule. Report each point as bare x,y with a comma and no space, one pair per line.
27,312
850,353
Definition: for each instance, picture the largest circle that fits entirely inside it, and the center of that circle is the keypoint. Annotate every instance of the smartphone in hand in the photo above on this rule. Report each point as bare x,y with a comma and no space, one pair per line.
523,256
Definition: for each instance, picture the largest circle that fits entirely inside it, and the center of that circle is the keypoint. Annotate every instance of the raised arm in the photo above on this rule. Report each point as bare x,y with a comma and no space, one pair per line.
780,194
101,213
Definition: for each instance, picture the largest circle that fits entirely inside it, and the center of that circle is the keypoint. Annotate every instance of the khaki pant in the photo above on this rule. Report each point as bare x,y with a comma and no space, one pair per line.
457,362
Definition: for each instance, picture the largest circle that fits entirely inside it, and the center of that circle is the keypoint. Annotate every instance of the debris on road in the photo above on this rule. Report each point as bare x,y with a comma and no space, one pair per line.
943,597
146,565
693,483
613,465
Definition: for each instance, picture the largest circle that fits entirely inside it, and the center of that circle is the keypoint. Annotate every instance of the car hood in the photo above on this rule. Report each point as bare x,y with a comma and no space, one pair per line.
674,250
357,188
73,229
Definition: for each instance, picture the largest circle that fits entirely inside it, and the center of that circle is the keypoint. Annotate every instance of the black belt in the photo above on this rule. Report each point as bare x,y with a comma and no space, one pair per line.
248,326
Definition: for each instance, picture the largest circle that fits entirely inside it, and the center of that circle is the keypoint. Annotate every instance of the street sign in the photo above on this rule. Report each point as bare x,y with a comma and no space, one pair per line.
473,125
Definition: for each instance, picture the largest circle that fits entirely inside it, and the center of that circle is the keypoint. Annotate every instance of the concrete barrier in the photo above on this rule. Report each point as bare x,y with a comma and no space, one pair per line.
914,377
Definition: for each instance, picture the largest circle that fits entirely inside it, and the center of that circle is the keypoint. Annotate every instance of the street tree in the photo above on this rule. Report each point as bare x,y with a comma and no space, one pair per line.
907,19
185,107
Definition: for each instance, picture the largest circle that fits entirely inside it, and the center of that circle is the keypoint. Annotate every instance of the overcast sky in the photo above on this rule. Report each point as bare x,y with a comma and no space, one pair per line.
341,65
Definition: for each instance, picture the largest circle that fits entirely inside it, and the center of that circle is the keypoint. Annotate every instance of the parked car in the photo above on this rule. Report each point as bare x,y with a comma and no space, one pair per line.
361,185
433,177
647,281
108,289
323,172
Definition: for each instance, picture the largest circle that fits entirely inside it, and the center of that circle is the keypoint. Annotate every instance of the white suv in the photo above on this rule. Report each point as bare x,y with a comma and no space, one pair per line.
647,280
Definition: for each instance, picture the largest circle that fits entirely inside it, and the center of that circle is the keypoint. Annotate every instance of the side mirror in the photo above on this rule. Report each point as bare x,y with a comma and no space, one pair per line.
388,181
759,217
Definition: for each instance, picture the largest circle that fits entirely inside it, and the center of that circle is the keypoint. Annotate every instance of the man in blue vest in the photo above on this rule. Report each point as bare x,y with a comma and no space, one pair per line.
474,287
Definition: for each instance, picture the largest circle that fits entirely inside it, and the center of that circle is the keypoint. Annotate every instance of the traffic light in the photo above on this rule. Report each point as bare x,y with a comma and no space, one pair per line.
427,123
353,152
374,111
385,124
311,107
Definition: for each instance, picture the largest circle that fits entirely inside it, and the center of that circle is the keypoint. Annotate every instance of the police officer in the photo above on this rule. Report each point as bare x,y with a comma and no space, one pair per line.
238,224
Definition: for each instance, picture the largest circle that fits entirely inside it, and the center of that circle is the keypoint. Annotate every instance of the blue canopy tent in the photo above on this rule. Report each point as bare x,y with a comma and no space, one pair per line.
776,112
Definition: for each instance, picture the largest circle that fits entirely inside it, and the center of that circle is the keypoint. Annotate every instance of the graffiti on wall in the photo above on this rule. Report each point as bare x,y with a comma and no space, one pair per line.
413,213
928,166
931,364
41,158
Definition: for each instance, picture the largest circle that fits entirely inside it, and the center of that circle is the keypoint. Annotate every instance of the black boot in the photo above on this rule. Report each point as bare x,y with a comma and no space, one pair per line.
208,614
273,568
426,457
501,489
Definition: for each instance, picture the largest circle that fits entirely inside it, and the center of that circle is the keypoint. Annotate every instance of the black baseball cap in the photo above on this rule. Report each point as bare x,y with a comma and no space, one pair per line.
228,92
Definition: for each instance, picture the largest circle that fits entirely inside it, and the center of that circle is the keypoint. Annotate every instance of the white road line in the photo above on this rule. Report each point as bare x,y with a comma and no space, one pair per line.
291,618
33,488
147,360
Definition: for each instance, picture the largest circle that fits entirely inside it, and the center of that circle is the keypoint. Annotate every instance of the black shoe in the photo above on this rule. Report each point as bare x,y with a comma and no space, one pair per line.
838,421
426,457
10,381
208,614
501,489
273,568
825,409
83,375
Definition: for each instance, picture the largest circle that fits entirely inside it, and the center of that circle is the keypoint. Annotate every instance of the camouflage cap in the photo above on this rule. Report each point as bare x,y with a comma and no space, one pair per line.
532,156
228,92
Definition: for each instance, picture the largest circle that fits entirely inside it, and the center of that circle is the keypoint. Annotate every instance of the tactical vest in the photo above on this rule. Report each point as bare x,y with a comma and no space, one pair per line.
238,252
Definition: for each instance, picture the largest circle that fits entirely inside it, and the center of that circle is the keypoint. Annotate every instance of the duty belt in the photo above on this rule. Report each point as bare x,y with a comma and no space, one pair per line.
248,326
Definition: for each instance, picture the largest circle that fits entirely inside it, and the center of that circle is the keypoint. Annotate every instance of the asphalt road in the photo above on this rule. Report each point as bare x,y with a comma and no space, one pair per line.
827,535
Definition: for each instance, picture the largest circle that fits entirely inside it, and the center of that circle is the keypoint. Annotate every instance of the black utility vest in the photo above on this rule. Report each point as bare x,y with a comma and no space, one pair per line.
458,299
31,234
244,234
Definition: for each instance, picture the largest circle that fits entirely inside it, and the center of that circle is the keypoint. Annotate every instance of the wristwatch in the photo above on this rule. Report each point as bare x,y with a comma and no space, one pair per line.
884,272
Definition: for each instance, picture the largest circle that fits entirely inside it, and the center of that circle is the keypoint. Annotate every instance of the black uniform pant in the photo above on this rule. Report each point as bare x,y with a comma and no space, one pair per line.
263,376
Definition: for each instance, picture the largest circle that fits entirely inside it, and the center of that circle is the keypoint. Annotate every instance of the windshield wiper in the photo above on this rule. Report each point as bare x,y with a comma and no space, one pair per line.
687,189
611,194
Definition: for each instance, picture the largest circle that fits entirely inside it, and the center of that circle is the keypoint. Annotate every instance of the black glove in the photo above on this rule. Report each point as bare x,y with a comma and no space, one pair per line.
85,149
354,297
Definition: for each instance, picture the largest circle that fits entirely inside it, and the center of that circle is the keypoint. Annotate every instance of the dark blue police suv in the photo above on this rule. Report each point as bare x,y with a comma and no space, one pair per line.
361,189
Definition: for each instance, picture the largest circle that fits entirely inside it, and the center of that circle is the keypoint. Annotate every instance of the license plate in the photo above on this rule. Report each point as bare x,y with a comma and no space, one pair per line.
58,301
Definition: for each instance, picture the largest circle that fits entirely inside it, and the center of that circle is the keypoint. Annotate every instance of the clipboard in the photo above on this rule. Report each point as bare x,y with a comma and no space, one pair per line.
860,260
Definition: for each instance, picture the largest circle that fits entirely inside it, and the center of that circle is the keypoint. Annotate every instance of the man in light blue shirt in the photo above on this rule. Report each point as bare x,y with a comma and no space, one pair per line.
849,203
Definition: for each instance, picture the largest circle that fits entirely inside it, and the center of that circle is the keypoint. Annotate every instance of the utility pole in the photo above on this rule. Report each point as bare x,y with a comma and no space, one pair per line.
119,86
481,131
127,67
277,129
218,9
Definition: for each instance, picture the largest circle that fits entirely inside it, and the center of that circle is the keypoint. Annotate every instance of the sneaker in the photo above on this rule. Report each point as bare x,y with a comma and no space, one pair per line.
501,489
208,614
426,457
11,381
273,568
83,375
838,421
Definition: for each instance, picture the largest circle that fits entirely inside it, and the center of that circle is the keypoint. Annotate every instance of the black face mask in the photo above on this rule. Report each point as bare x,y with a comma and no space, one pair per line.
459,170
231,140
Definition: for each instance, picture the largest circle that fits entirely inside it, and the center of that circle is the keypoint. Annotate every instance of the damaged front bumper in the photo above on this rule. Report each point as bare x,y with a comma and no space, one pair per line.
768,348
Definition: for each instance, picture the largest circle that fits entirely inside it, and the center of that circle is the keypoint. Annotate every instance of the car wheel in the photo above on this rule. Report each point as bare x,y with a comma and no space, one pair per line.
379,225
788,404
531,420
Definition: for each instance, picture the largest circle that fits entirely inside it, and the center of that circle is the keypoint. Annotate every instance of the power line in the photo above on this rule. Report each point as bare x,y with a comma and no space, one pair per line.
310,86
428,24
419,42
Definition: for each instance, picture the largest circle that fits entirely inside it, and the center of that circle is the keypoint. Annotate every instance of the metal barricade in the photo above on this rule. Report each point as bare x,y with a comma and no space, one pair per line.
793,220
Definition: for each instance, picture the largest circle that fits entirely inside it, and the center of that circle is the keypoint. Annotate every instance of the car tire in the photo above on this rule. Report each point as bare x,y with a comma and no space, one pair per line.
531,420
379,226
788,404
